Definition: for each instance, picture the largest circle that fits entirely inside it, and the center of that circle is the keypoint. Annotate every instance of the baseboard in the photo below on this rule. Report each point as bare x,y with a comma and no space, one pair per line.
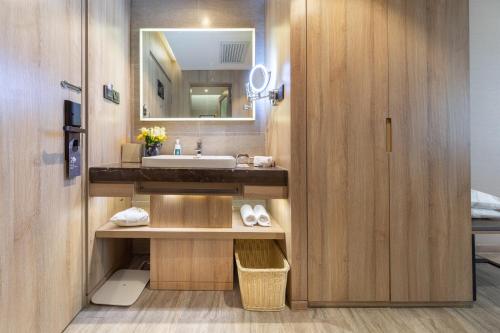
298,305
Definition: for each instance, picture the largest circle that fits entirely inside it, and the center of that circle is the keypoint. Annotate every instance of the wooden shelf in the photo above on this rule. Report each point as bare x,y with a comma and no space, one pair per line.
237,231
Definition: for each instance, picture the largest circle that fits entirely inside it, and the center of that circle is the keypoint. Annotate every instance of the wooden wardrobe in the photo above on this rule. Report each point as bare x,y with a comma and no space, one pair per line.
388,175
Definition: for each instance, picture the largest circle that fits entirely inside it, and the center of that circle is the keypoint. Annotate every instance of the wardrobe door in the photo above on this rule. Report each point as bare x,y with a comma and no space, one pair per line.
429,166
347,162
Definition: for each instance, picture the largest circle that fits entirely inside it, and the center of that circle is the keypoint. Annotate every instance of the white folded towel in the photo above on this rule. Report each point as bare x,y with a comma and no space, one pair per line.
490,214
484,200
131,217
248,216
263,161
263,218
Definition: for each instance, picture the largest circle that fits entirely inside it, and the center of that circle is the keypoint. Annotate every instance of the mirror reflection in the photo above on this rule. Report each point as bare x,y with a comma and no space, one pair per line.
196,74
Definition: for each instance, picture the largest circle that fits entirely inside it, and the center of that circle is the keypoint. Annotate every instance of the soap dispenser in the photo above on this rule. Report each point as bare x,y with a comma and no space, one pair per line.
177,147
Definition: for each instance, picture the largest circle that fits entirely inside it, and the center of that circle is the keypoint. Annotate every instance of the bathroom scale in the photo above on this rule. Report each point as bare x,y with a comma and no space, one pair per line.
123,288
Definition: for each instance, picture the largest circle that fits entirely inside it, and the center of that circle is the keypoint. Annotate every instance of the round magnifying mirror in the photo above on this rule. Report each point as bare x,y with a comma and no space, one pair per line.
259,78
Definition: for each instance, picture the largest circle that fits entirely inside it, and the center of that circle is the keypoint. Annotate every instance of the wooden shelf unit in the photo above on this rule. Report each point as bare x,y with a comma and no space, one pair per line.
237,231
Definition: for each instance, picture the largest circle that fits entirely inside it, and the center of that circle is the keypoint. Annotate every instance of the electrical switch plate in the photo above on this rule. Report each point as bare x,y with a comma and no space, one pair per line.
111,95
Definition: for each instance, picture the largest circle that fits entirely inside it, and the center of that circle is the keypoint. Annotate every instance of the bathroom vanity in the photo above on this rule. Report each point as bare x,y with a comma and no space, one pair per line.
192,222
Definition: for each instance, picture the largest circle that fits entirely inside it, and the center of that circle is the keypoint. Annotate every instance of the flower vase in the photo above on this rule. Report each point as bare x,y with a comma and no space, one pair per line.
152,150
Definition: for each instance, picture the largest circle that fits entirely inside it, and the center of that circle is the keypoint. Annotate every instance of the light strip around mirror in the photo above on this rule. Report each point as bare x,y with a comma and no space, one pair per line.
141,101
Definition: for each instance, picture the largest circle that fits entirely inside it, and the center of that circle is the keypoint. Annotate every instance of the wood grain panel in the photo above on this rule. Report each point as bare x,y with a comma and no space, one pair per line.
157,64
298,151
286,58
191,211
111,190
265,192
191,264
156,106
347,171
430,181
108,61
237,231
41,237
104,255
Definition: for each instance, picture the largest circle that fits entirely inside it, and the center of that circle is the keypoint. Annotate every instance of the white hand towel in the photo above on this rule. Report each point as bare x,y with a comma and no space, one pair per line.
484,200
263,218
248,216
485,214
263,161
131,217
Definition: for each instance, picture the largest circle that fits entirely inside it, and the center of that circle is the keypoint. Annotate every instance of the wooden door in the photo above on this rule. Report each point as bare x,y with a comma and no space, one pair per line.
430,198
41,257
347,162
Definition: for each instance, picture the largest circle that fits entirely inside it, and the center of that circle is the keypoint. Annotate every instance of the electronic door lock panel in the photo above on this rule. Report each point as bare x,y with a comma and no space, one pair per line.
72,138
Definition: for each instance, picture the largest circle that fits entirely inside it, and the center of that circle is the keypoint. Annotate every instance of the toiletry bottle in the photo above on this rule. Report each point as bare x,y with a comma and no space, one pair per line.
177,147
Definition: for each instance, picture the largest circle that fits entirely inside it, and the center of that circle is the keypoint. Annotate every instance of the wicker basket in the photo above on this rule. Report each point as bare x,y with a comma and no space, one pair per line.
262,272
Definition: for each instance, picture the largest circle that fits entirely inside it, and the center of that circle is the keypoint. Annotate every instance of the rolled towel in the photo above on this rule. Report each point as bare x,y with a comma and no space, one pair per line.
248,216
131,217
263,161
263,218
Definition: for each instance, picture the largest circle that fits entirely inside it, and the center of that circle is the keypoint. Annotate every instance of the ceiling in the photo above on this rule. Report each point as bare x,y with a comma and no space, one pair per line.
206,49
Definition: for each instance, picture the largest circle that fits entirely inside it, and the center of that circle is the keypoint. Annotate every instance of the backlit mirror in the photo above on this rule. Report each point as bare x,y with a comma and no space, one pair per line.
196,74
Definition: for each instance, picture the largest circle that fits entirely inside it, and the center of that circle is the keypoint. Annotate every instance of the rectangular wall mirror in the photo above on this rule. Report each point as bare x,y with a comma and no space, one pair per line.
196,74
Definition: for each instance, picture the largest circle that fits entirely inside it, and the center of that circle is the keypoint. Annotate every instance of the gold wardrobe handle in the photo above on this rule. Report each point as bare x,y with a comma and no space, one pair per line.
388,135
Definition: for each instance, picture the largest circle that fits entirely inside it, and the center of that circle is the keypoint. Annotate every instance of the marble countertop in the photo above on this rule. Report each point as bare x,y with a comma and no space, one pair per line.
135,172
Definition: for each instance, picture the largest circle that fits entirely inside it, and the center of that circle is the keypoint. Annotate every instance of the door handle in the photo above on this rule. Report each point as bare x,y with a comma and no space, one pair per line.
65,84
388,135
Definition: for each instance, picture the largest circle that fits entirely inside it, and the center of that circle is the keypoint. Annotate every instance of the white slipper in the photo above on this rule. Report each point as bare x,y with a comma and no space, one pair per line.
248,216
263,218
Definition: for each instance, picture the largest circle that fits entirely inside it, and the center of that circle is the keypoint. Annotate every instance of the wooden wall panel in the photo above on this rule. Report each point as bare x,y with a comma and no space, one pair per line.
285,57
298,149
108,123
41,225
155,56
154,69
104,255
347,168
430,180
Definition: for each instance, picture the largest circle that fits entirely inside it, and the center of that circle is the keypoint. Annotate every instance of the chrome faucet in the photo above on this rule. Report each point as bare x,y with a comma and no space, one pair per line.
198,147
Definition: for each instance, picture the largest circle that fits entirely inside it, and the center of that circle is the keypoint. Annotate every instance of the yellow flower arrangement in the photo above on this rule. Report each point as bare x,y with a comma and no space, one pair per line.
152,136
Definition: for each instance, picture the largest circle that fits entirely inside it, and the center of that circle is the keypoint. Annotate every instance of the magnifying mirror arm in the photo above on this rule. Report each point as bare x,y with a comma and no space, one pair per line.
274,95
253,96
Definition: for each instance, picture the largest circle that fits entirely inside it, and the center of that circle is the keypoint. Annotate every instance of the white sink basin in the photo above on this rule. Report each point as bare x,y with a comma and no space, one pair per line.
189,161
